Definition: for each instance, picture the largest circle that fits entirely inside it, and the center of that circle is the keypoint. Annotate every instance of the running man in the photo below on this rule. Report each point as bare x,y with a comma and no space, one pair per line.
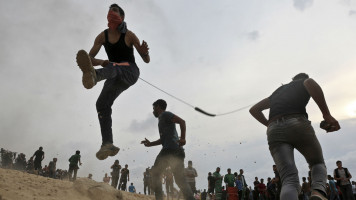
289,129
172,153
120,71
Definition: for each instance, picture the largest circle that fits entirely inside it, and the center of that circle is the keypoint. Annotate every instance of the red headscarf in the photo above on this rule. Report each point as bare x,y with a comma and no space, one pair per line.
114,20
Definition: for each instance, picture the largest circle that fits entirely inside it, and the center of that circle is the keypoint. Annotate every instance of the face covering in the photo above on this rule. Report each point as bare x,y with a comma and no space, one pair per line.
114,20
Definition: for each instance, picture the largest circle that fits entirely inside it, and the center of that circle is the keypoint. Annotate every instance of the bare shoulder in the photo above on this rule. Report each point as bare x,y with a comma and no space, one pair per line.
100,38
309,82
130,33
131,36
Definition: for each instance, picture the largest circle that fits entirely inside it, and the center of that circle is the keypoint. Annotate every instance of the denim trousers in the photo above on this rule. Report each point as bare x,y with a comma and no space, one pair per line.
175,159
118,79
285,135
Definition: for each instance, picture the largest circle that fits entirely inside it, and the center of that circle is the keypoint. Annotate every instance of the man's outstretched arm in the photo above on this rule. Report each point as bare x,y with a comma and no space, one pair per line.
317,94
256,111
147,143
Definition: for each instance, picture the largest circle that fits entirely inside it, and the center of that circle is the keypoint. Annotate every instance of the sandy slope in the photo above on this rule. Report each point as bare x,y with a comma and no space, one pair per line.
16,185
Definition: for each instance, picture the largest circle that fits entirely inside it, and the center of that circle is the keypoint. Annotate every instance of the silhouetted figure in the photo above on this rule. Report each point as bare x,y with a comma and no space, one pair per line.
38,157
73,165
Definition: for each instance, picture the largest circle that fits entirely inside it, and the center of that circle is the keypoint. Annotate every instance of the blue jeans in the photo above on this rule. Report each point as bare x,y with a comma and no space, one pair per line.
118,79
285,135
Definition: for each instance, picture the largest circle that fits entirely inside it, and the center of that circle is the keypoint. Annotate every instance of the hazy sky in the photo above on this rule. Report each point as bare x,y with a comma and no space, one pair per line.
217,55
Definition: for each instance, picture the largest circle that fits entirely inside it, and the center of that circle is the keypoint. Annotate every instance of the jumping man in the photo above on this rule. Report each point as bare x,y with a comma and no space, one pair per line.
120,71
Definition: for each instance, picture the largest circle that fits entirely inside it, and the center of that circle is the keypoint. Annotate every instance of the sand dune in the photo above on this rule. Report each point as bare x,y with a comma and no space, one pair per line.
16,185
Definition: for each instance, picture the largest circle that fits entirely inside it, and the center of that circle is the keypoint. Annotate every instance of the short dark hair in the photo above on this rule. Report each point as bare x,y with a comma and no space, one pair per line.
161,103
77,152
337,162
300,76
121,11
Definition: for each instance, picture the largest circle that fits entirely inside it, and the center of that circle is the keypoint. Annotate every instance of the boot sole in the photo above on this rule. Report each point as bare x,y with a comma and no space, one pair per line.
89,74
102,155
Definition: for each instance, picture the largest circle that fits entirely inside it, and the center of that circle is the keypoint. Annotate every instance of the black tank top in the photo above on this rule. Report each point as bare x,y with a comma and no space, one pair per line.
288,99
118,52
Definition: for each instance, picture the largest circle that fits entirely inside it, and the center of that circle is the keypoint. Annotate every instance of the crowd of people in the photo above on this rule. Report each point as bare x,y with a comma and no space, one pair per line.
339,186
119,177
12,160
234,186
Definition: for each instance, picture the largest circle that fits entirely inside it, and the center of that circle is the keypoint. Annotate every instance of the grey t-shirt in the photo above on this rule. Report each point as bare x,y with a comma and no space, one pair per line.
342,174
167,131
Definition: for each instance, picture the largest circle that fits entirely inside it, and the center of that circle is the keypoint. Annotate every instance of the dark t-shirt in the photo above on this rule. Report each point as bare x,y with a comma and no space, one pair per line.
256,183
124,173
116,170
203,195
211,181
289,99
73,160
38,155
167,131
52,166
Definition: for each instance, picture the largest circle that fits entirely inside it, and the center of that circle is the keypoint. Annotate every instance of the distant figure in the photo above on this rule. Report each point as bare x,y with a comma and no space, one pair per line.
106,178
147,182
211,185
73,165
239,186
52,168
218,182
172,153
334,192
30,166
125,176
203,195
305,189
288,128
90,176
256,183
343,176
168,180
262,190
115,174
20,162
244,186
132,188
271,188
229,179
39,156
277,181
190,174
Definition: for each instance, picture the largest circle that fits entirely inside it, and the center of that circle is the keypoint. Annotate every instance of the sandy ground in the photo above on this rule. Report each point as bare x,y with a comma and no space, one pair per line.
16,185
